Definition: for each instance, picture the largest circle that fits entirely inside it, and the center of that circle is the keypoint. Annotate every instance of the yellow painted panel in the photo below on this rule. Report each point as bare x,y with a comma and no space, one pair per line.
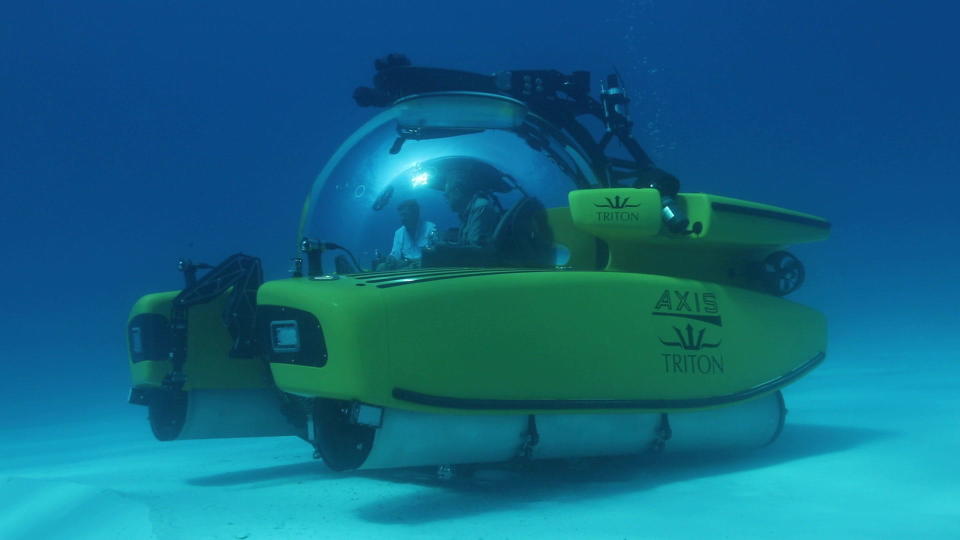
545,335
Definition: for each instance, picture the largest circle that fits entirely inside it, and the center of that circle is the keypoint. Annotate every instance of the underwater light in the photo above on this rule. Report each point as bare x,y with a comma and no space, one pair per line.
136,340
420,179
366,415
285,336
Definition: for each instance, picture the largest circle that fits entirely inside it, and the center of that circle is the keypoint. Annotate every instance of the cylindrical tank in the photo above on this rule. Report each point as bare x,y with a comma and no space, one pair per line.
218,413
406,438
749,424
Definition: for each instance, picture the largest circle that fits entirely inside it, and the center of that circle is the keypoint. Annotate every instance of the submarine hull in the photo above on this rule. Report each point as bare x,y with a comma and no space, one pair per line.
534,364
508,341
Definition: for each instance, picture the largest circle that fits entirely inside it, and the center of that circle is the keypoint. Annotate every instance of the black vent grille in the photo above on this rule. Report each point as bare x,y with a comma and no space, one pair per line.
386,280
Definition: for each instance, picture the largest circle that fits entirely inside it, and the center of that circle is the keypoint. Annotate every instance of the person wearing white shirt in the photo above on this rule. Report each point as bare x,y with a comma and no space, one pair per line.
410,239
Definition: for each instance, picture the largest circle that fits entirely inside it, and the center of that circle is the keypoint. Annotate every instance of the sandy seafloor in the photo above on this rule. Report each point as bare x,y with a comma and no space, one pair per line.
869,451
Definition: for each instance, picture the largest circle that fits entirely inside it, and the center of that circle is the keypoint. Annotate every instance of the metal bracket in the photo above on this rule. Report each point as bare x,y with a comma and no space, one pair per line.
530,440
663,434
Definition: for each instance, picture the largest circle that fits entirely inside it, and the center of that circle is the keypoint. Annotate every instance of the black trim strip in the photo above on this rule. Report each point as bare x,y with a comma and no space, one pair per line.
577,404
781,421
746,210
712,319
439,278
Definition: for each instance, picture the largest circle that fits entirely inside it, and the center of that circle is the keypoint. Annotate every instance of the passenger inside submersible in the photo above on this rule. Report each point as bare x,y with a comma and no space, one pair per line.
409,239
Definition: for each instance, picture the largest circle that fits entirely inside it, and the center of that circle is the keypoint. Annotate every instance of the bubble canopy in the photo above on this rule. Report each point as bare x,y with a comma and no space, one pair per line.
470,161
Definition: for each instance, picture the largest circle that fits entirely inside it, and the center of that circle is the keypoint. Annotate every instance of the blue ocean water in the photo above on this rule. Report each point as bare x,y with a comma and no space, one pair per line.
134,133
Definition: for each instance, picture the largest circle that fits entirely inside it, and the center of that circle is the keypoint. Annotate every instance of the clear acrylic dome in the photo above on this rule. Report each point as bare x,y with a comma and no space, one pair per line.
479,167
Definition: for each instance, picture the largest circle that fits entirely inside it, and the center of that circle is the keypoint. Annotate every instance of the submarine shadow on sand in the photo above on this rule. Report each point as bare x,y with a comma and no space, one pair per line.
282,474
558,482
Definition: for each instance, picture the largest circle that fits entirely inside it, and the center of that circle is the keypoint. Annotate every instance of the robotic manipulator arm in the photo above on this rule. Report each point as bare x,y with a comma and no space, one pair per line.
615,116
555,96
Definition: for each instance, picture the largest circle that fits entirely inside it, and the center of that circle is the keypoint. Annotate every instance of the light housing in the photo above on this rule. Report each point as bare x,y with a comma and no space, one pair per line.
285,336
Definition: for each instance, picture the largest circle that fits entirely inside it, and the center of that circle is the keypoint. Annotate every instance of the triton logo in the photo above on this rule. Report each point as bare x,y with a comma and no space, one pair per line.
692,359
616,203
693,364
689,341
